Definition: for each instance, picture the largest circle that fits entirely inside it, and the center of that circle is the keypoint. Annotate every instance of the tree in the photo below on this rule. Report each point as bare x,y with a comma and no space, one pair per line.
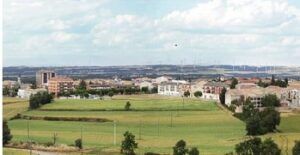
128,144
127,106
154,90
255,146
194,151
222,95
5,91
110,94
286,80
34,102
234,82
249,147
198,94
180,148
270,118
78,143
82,85
296,148
186,94
6,133
145,90
273,80
268,147
253,125
270,100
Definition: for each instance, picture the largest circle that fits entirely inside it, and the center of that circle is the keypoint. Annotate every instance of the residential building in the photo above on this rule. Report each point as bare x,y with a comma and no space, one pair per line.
197,86
58,85
162,79
246,86
173,88
26,93
212,90
255,94
43,77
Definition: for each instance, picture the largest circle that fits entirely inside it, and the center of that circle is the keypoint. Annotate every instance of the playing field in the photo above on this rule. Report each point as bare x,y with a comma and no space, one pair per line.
157,122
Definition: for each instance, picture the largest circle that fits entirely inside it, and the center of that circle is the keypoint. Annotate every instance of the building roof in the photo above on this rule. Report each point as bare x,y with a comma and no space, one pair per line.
61,78
216,84
256,91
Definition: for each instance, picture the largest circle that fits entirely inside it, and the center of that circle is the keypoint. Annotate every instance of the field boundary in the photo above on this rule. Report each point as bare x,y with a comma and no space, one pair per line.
51,118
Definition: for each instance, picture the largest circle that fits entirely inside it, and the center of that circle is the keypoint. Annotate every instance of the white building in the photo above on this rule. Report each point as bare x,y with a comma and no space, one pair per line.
162,79
26,93
173,88
147,84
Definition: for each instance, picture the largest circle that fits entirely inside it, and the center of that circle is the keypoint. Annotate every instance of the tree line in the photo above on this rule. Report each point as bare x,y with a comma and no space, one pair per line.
39,99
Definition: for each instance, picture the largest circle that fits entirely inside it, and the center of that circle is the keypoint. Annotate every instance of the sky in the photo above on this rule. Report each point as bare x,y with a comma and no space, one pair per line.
145,32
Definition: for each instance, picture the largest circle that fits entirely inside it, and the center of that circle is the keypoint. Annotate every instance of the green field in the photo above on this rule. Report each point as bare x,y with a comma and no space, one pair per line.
13,106
157,122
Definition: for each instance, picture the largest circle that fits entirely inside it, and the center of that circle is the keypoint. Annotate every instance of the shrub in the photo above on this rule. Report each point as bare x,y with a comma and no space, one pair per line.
296,148
6,133
194,151
128,144
180,148
127,106
78,143
198,94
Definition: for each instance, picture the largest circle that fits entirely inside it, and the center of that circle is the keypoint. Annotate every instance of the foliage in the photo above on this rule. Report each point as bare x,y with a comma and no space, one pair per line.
198,94
111,94
127,106
186,94
128,144
5,91
78,143
234,82
222,96
6,133
268,147
255,146
154,90
270,100
145,90
40,98
262,122
296,148
180,148
194,151
281,83
262,84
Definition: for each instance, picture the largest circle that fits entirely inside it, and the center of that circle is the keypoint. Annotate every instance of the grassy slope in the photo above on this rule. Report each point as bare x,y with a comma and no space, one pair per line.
213,131
13,106
136,104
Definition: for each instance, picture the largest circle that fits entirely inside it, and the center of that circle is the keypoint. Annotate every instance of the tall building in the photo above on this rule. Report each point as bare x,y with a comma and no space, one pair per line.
43,77
59,85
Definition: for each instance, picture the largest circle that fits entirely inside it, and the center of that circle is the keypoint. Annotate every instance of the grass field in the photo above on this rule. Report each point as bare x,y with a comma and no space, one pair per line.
199,123
13,106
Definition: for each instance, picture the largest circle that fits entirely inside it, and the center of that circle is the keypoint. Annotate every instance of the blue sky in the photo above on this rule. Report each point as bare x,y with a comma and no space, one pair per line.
139,32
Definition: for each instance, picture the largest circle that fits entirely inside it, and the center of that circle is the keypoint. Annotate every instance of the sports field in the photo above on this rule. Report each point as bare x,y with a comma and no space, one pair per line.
157,122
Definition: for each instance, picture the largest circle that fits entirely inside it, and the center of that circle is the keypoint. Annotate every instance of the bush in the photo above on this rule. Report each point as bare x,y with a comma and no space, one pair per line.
151,153
128,144
198,94
180,148
194,151
78,143
296,148
6,133
255,146
127,106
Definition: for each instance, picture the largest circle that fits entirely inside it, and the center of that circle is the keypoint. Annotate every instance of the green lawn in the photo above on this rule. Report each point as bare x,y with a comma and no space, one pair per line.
136,104
213,132
160,121
13,106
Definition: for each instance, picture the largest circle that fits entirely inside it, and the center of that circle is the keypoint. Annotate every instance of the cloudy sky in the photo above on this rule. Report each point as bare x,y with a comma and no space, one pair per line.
138,32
